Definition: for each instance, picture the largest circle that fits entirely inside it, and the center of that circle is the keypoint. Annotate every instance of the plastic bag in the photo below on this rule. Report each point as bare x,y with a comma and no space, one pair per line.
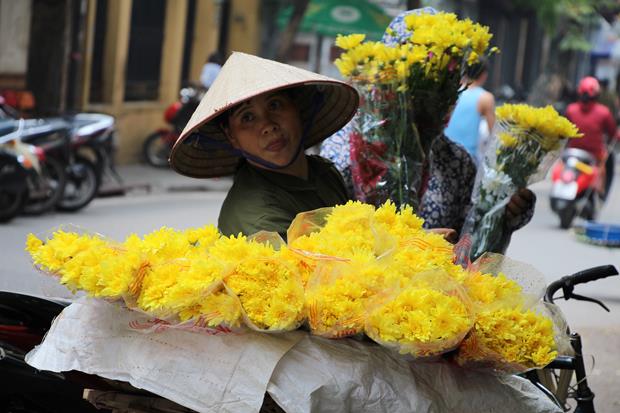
269,289
516,158
514,339
514,330
270,292
85,261
385,149
341,231
427,317
339,292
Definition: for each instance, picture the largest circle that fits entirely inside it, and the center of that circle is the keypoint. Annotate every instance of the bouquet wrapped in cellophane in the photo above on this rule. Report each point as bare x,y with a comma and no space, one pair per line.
528,141
407,90
194,278
348,270
514,330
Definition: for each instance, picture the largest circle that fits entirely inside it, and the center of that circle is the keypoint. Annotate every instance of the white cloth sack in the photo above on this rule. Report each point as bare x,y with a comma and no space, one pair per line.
230,373
206,373
326,376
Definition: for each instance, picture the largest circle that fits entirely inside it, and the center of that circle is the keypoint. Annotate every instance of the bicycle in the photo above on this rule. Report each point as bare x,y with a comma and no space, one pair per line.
565,377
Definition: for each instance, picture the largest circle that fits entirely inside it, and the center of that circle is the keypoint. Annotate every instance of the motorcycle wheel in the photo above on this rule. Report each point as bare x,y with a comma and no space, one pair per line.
156,149
11,204
79,190
566,217
54,172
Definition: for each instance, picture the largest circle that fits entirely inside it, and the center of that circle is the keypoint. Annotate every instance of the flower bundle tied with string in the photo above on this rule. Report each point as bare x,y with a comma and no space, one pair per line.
528,141
407,89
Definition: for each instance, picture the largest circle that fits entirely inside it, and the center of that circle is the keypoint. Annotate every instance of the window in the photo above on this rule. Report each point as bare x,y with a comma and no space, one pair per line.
145,50
96,70
187,42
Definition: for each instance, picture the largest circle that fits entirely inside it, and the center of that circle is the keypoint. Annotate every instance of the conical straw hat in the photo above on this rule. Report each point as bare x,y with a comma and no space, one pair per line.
202,150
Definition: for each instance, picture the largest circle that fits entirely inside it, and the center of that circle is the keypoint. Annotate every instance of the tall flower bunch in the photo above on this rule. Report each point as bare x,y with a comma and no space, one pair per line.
407,90
451,46
528,141
384,146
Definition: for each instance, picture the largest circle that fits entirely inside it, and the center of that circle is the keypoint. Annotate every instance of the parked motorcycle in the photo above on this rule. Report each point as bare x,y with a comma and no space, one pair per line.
53,137
83,145
575,179
93,145
157,146
34,185
13,175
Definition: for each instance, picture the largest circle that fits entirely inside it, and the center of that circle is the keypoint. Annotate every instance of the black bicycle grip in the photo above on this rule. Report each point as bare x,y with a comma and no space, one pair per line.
591,274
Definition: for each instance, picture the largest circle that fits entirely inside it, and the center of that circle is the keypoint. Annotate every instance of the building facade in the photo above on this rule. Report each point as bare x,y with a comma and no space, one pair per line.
126,58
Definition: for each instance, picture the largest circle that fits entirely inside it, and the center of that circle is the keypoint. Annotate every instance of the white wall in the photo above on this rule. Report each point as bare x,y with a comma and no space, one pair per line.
14,35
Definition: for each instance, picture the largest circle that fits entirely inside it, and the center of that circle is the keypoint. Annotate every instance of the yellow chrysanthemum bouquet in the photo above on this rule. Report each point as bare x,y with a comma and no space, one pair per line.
378,272
191,278
514,330
528,141
408,83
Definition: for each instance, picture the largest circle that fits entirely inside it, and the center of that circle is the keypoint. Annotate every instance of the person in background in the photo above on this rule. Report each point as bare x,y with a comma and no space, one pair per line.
211,69
598,126
451,171
474,104
255,122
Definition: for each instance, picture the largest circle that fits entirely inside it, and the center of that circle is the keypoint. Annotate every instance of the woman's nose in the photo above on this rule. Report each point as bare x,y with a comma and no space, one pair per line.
269,127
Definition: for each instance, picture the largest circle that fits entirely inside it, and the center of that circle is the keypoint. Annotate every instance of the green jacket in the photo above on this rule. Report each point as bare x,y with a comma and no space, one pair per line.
266,200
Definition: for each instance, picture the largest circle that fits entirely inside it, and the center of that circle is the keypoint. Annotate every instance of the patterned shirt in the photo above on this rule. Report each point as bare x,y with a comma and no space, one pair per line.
447,198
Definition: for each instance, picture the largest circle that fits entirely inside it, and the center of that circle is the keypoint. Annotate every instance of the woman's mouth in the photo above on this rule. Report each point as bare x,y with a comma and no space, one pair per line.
276,145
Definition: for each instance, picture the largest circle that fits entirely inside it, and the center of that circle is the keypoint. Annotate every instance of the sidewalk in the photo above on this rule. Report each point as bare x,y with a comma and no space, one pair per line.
142,178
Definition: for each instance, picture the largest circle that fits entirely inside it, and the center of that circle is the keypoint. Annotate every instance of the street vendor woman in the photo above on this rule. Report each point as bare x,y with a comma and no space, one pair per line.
255,121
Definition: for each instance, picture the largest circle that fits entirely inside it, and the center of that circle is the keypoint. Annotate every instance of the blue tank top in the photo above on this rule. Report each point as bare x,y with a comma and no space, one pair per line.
465,120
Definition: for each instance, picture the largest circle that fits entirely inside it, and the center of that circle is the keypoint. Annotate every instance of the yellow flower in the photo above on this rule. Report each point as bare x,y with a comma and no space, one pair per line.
270,292
215,309
514,339
542,124
508,140
486,290
420,320
338,292
350,41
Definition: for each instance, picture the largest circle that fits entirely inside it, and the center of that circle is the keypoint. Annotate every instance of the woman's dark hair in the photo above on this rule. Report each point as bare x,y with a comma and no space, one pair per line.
476,70
216,57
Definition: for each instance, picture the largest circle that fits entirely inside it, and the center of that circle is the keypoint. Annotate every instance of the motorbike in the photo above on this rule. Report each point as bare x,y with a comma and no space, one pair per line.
575,179
31,181
92,149
157,146
53,138
83,146
14,170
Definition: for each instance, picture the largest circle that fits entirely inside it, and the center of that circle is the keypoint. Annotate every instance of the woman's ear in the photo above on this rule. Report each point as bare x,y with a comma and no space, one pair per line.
234,142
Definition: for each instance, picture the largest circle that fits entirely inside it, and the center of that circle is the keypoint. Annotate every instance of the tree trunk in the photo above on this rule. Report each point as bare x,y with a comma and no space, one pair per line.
288,35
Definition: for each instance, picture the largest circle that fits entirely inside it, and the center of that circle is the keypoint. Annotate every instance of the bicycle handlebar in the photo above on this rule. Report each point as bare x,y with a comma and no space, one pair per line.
568,282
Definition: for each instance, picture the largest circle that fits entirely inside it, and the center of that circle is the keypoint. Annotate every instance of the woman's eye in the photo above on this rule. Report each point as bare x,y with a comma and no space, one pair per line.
275,104
247,117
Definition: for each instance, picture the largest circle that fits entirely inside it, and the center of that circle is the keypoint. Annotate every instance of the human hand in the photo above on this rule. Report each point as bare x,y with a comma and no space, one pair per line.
520,202
449,234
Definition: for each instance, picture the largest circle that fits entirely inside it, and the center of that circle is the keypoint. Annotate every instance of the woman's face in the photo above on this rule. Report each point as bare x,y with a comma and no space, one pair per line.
267,126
